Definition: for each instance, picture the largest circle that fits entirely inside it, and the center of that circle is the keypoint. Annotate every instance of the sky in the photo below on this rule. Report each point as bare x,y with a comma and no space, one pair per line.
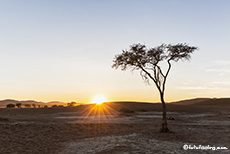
55,50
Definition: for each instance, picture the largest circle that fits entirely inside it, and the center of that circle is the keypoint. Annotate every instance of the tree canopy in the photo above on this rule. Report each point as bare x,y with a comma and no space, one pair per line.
139,57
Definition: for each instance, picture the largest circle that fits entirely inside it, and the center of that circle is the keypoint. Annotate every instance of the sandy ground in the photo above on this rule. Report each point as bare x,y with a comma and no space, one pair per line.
62,131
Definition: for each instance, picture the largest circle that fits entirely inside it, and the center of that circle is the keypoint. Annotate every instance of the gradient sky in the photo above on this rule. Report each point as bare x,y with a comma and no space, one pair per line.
63,50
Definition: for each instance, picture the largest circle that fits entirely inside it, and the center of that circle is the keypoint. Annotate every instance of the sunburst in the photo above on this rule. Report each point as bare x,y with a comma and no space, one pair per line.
99,99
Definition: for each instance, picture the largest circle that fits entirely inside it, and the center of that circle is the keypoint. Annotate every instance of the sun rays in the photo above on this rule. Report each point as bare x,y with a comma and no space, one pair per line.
98,113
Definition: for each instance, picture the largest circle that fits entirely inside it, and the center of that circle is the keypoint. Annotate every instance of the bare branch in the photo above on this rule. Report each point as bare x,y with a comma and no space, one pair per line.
138,57
166,75
145,77
150,76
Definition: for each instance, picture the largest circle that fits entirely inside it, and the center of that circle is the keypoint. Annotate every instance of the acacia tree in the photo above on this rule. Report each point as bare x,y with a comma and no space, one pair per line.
18,105
149,62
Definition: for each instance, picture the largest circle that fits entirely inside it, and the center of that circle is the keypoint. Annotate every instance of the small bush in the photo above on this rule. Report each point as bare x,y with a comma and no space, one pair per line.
10,106
124,110
71,104
27,105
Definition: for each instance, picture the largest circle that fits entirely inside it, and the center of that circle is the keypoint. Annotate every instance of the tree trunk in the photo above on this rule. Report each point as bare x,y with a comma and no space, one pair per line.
164,126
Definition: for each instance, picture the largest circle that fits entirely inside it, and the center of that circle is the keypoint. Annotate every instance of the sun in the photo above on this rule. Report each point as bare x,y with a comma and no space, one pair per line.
99,99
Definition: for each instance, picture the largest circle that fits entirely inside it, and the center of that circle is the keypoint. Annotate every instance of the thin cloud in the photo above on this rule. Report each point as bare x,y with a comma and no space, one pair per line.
221,83
222,62
204,88
221,67
222,70
196,88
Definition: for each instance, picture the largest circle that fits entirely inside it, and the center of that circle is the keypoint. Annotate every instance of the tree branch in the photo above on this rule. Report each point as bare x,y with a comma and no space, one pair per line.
160,70
150,76
166,75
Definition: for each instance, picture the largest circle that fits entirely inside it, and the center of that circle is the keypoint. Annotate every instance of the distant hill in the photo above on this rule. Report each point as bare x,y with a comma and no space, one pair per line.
139,106
191,101
197,105
11,101
215,101
204,101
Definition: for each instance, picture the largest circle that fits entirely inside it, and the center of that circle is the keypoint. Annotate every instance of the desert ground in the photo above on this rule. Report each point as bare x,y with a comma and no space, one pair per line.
114,128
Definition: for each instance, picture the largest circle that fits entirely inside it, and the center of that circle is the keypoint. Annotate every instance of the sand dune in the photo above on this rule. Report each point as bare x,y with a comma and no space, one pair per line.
83,129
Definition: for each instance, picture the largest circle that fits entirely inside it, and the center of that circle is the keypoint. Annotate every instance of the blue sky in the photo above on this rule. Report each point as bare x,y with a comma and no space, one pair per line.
63,50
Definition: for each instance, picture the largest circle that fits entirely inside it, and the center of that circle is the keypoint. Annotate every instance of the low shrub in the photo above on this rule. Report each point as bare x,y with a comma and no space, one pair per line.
10,106
124,110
